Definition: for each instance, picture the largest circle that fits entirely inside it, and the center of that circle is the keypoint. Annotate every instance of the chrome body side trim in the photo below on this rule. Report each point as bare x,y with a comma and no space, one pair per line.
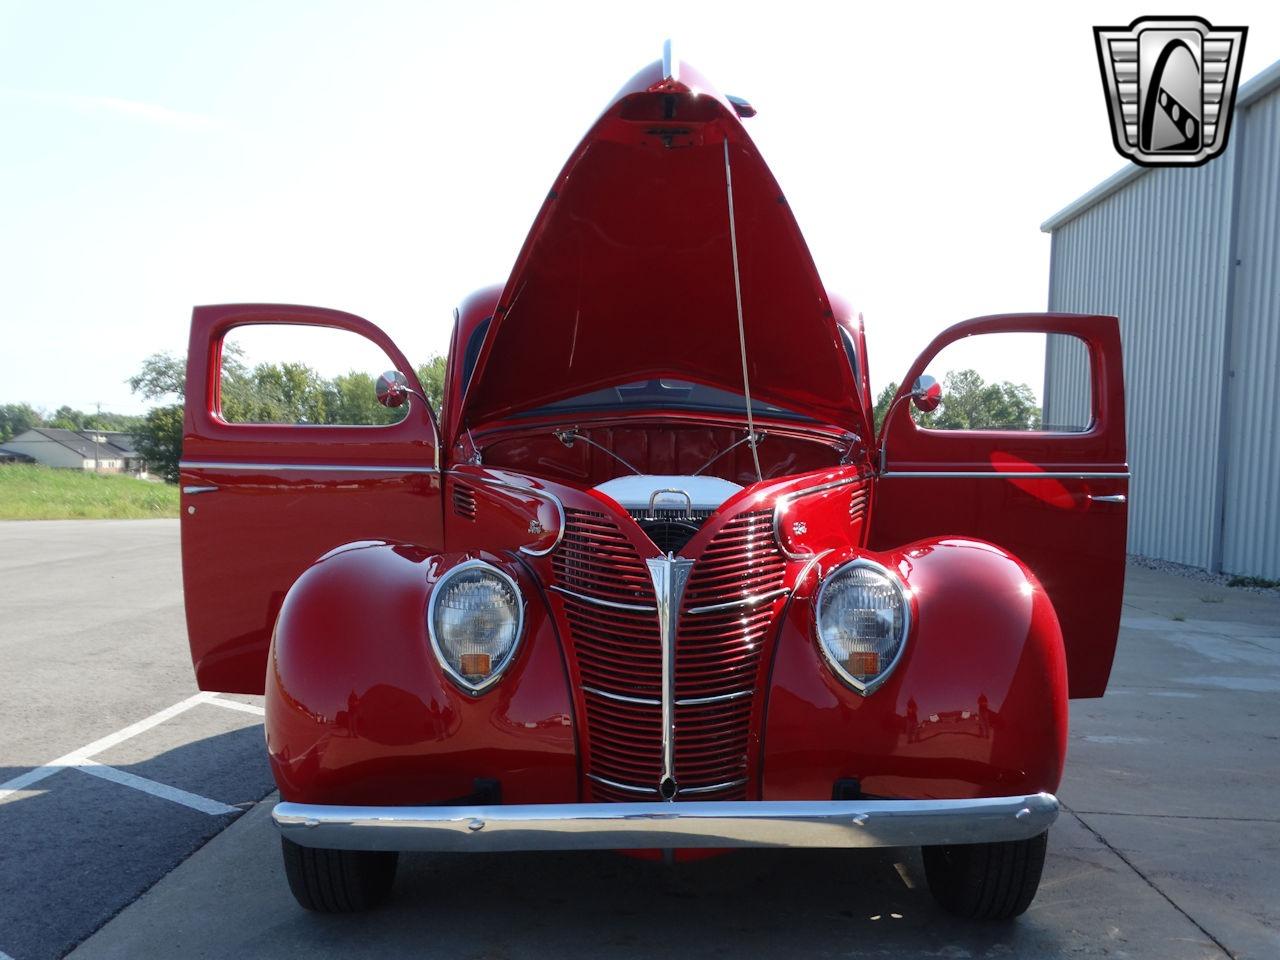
670,575
752,601
621,698
659,825
784,501
1009,475
549,497
615,604
317,467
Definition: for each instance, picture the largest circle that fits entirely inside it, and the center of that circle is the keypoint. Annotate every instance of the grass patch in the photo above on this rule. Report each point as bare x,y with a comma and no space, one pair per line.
1262,582
42,493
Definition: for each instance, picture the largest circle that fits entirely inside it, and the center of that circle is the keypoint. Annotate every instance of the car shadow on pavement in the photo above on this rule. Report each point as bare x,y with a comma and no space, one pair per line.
76,848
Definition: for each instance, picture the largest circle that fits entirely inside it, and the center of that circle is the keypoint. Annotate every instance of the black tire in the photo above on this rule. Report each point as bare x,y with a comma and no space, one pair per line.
986,881
337,881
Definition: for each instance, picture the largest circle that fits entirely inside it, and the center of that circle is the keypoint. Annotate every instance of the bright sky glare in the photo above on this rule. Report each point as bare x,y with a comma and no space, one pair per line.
387,158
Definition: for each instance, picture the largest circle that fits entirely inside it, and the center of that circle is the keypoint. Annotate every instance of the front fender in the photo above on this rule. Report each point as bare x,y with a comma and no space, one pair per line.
359,711
976,707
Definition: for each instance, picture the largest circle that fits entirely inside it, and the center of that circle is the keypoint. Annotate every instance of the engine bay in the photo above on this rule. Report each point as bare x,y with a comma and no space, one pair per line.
669,508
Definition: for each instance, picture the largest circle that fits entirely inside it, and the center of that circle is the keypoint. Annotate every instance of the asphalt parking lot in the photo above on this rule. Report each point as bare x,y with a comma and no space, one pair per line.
130,821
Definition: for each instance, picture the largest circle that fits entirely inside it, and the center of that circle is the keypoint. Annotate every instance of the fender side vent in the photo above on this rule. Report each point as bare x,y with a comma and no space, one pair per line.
464,501
858,503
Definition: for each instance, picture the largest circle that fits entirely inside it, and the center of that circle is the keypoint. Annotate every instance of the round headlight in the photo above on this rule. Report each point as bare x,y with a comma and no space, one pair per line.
475,619
862,619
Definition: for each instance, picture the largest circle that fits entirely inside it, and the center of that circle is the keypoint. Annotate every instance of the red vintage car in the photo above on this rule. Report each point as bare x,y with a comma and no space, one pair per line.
649,580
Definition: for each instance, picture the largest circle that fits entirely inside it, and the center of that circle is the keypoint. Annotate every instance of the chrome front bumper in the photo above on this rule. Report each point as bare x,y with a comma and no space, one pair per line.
656,825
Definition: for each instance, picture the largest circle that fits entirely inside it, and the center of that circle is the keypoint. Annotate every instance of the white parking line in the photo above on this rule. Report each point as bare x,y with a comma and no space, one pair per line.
80,759
73,758
237,705
163,790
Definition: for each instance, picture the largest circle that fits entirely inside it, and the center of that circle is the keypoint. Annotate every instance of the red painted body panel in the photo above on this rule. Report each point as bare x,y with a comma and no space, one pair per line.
359,711
1075,545
271,502
628,274
977,707
326,542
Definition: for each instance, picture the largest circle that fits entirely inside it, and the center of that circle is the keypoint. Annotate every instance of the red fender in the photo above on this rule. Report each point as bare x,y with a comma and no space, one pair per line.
976,707
358,710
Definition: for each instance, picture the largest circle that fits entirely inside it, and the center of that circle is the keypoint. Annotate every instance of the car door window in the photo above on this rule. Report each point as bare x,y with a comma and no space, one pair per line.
1028,382
292,374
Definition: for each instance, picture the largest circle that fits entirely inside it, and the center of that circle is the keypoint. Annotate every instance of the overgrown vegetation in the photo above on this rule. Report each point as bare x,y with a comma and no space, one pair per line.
970,403
30,492
1255,582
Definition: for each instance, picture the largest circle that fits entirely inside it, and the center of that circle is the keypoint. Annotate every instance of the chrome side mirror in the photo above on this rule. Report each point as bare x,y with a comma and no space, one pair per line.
926,393
392,389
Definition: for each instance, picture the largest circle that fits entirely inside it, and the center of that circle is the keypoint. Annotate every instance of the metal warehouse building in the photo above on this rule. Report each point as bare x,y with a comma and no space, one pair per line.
1189,260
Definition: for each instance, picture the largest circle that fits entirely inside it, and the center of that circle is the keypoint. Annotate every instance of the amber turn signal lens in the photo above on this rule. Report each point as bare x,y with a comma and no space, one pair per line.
474,664
863,663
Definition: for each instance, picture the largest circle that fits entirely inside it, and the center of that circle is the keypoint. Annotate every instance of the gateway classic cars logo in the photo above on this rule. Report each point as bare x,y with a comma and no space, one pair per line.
1170,84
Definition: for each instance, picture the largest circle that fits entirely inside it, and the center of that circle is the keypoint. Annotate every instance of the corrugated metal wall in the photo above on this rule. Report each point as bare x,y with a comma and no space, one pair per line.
1157,254
1251,527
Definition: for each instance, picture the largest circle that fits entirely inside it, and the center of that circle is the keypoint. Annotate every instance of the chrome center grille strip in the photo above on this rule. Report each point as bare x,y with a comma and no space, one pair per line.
670,577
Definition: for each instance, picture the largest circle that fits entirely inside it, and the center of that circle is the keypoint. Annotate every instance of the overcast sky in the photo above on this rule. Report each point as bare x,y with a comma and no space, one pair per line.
388,158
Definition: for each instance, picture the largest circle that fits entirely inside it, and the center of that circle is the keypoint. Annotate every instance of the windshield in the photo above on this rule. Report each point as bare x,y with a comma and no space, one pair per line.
664,395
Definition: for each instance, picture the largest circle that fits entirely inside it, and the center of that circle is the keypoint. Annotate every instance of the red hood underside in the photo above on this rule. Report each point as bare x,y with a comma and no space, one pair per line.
627,273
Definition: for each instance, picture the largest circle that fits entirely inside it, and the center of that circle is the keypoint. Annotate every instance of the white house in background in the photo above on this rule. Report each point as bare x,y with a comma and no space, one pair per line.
100,451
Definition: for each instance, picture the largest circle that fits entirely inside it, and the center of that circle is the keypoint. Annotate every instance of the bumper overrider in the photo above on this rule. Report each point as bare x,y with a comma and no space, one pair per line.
662,825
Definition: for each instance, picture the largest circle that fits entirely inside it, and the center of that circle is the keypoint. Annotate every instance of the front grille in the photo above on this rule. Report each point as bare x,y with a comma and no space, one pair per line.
718,655
618,651
609,603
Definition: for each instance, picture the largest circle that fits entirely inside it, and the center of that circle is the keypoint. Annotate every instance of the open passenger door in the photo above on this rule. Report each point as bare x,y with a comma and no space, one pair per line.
262,501
1055,500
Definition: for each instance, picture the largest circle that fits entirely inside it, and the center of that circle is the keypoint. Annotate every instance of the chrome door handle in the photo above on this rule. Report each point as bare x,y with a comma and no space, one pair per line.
1110,498
192,491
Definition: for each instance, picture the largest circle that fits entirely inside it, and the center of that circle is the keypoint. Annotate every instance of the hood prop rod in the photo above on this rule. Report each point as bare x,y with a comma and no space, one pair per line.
733,446
742,330
567,437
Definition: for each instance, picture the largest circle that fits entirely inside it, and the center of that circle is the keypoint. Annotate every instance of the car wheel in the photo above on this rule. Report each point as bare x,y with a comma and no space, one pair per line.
337,881
986,881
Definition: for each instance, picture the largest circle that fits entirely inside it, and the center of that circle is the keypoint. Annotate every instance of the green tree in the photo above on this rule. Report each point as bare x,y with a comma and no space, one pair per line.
353,399
431,376
159,440
162,375
970,403
16,418
883,401
68,418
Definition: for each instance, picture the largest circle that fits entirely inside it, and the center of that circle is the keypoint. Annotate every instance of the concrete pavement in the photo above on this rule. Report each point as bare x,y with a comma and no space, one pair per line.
1167,848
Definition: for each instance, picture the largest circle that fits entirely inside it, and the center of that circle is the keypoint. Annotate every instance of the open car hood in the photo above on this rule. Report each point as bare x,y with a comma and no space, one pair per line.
627,274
